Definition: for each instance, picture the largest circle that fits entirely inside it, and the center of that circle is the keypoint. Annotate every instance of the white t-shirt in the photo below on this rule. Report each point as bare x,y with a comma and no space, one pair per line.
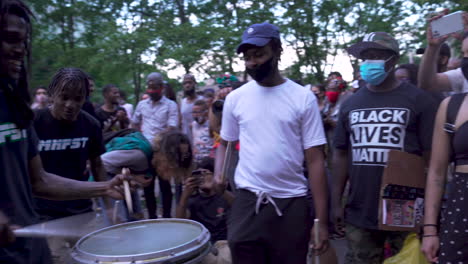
274,126
186,115
457,80
201,140
129,109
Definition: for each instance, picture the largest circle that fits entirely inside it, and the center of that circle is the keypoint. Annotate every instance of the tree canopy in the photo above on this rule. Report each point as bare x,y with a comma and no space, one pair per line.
120,41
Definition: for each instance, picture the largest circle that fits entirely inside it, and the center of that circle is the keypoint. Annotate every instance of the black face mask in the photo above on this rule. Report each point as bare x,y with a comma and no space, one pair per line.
464,67
262,71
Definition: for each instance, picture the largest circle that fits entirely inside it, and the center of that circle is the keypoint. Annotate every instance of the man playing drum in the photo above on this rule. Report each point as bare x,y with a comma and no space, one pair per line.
22,172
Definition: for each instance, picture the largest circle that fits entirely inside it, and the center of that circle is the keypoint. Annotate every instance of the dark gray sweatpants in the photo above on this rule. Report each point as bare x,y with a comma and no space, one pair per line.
265,237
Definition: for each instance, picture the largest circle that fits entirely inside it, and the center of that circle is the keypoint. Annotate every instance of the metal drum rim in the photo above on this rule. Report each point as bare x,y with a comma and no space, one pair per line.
197,245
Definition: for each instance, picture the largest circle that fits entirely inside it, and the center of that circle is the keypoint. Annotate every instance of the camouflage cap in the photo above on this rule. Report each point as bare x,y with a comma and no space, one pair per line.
374,40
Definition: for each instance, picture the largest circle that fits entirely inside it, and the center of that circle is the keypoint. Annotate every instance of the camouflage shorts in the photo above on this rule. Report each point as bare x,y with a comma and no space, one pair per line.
366,246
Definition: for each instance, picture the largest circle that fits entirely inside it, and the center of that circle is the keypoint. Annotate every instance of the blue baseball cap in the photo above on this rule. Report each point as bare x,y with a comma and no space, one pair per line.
258,35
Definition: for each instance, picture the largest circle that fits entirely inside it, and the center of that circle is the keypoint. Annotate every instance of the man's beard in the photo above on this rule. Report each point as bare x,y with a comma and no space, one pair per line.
262,71
190,92
155,96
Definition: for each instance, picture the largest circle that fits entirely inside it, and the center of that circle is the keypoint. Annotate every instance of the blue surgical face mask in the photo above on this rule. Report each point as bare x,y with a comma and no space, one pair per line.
373,71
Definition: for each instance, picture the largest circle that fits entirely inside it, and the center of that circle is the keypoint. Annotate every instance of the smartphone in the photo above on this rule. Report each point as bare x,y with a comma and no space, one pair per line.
198,174
447,24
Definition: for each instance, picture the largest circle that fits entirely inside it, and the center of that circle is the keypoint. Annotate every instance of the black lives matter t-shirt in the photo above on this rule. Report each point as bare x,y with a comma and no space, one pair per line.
64,148
17,148
370,125
212,213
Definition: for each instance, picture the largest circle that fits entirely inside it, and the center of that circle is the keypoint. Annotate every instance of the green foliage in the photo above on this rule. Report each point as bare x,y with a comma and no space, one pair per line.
120,41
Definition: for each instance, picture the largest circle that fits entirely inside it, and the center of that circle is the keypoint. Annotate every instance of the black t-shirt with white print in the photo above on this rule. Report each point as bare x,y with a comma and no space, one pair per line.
17,148
64,149
370,125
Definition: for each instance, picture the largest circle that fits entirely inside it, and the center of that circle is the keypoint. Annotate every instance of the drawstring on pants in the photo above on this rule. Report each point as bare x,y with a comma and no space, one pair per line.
265,198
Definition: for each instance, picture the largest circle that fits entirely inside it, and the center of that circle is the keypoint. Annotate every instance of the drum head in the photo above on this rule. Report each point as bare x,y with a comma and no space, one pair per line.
162,238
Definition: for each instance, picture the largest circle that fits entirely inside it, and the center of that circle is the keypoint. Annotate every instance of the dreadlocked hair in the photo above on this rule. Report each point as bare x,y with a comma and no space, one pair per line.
176,147
68,77
17,93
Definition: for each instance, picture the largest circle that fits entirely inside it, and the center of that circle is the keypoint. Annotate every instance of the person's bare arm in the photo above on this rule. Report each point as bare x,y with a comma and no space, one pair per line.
428,78
97,168
50,186
435,183
181,209
228,197
340,177
100,175
189,186
318,185
220,155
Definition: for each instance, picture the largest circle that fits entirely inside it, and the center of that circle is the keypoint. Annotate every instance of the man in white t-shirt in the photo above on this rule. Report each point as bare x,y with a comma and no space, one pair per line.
277,123
189,84
454,80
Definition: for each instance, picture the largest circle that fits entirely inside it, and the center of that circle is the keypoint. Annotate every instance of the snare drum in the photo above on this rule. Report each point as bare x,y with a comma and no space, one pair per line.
146,241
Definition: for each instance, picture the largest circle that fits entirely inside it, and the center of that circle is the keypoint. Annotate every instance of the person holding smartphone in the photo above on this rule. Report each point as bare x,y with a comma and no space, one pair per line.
201,203
454,80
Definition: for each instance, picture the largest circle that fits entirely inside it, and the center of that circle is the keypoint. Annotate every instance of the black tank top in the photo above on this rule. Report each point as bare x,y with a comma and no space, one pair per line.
460,144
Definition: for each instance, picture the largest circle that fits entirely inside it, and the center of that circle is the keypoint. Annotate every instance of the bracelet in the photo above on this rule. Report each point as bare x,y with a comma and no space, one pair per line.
430,235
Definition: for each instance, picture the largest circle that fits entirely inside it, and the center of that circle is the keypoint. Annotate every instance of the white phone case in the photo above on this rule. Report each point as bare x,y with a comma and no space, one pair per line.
447,24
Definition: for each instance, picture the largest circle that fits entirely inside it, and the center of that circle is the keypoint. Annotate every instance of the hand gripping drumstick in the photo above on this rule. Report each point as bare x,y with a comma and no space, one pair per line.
128,197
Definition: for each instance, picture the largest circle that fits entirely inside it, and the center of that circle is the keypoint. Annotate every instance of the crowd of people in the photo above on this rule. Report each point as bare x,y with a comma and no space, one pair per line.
255,162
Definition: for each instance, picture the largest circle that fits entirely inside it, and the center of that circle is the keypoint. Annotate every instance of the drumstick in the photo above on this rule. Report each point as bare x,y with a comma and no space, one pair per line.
114,213
128,197
24,232
316,238
74,226
227,158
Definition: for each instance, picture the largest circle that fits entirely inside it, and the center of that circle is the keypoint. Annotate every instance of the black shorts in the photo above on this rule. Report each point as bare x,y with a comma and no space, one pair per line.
266,237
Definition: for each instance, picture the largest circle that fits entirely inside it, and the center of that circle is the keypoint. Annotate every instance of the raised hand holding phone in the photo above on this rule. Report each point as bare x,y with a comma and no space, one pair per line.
444,25
447,24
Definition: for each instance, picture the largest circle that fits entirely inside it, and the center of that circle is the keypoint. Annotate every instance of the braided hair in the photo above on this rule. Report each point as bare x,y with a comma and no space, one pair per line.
17,94
66,77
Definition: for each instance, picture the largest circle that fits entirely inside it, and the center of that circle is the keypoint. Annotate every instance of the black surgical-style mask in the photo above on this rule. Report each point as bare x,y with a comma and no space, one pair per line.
464,67
261,71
